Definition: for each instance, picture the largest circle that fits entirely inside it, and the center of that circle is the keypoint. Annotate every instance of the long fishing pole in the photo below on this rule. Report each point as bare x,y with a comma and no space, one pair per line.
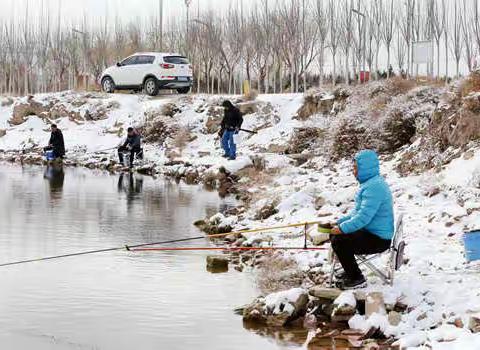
226,249
130,247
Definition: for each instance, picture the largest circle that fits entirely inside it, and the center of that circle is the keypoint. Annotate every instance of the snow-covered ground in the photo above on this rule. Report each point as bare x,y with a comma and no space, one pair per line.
437,283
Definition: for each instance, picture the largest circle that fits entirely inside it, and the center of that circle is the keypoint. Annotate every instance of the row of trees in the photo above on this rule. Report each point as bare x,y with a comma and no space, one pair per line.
283,45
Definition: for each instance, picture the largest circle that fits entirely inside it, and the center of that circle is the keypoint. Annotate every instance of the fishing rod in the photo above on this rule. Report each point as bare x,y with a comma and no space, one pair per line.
105,150
226,249
130,247
249,131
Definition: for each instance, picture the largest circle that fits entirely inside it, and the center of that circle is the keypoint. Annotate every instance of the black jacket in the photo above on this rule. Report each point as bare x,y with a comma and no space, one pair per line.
57,143
133,141
232,119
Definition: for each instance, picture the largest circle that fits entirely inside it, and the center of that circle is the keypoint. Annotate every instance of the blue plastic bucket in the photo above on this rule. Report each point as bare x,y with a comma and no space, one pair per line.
471,241
49,155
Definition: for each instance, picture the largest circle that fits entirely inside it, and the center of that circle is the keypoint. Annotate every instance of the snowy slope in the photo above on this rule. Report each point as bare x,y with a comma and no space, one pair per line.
437,283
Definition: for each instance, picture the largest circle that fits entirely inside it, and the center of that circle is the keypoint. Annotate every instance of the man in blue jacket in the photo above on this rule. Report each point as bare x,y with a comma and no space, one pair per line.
369,228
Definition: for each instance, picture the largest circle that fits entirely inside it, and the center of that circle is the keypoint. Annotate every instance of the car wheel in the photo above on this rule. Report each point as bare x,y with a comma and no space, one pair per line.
108,85
184,90
151,87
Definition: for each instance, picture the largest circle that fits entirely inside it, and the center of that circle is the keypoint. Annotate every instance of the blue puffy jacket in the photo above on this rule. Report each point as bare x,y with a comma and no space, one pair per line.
373,202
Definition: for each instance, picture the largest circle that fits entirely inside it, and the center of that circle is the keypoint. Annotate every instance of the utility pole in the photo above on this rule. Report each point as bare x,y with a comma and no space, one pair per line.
160,20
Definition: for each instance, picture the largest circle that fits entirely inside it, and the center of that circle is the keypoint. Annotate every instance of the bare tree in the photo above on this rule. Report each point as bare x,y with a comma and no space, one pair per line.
438,27
468,32
347,35
456,37
334,39
322,26
388,15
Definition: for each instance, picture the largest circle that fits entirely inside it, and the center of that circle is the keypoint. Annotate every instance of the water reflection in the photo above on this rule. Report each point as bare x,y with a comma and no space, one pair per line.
118,300
56,178
131,185
287,337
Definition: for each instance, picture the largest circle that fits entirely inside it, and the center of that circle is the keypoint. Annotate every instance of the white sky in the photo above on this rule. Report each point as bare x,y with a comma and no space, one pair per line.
126,9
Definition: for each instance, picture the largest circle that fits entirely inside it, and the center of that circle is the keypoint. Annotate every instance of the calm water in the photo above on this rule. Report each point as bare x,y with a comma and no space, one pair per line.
117,300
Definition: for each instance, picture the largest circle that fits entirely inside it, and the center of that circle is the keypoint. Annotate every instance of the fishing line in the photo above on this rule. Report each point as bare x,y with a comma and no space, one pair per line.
130,247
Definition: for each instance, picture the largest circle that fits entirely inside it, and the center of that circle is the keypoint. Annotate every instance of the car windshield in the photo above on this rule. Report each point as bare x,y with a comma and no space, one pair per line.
175,59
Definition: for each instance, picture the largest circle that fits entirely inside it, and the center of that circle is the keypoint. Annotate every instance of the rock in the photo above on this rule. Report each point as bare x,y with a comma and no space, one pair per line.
474,324
248,107
422,316
266,211
3,132
374,303
310,322
394,318
21,111
345,306
217,262
170,109
433,191
277,309
280,149
468,155
212,125
316,102
325,293
458,322
343,313
319,203
254,313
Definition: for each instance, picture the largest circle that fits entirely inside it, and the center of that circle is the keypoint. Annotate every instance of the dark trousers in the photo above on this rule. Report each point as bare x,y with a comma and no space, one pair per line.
133,152
362,242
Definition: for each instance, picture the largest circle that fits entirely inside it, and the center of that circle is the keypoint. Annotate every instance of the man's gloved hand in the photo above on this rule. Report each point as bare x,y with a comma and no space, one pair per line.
237,130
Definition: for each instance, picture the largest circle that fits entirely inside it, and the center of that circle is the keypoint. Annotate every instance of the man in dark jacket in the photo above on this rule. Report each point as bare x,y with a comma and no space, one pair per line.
56,142
132,145
231,124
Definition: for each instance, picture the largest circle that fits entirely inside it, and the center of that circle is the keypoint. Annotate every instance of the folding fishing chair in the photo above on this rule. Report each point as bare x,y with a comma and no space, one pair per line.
395,257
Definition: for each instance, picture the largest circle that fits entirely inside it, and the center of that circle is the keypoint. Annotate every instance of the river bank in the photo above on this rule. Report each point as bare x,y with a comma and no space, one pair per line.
297,169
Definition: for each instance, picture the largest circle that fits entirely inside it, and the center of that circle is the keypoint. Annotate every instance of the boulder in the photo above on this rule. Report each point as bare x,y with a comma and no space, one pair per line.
277,309
266,211
249,107
325,293
394,318
316,102
3,132
22,110
374,303
344,307
217,262
474,324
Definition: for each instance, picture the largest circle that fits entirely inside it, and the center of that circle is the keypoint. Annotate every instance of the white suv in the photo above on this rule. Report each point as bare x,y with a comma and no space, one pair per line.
150,71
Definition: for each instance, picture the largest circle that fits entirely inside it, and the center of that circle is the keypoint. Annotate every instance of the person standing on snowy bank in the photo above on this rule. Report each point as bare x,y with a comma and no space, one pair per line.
231,124
56,142
369,228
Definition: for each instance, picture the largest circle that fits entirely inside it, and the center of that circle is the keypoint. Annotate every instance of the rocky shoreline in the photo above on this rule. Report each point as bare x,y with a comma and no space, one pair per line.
297,169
